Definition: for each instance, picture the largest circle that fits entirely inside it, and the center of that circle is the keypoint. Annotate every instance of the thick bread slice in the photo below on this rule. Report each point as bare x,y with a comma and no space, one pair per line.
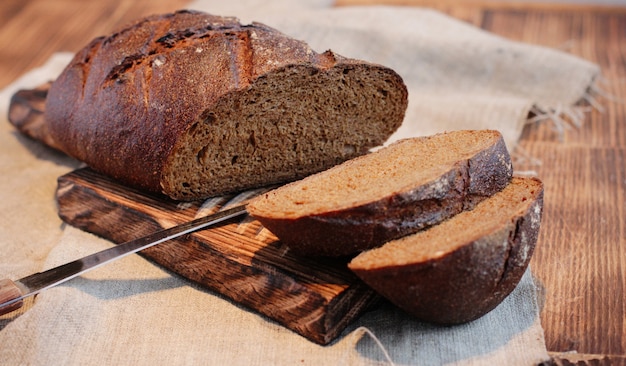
195,105
463,268
395,191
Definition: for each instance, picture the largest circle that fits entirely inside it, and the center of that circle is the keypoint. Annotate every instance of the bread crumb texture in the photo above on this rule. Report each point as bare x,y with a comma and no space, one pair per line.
399,168
286,125
467,228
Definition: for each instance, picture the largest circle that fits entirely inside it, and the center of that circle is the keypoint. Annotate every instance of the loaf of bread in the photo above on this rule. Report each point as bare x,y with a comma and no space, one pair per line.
193,105
397,190
464,267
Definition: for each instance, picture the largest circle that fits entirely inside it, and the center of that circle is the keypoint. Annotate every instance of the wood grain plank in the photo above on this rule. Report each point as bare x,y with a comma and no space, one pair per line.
317,298
581,248
62,25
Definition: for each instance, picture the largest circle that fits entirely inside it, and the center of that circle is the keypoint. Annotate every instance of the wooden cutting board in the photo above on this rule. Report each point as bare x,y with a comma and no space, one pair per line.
317,298
240,259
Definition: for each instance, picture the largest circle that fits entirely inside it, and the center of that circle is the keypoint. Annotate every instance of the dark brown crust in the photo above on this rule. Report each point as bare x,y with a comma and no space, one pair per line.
124,100
469,282
368,226
93,108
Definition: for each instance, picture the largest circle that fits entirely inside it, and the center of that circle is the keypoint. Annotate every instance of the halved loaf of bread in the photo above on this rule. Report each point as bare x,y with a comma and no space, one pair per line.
400,189
194,105
464,267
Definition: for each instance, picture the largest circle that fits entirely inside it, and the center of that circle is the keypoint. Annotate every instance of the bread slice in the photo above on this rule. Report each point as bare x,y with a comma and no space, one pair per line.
194,105
464,267
397,190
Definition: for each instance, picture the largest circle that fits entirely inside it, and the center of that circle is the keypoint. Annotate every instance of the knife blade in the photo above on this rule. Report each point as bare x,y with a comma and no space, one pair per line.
12,293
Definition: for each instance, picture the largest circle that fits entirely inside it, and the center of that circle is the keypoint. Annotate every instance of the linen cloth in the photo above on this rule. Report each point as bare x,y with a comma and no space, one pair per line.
132,312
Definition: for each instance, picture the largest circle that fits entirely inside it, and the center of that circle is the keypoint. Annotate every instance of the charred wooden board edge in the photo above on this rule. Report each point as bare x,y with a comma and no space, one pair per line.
26,110
95,204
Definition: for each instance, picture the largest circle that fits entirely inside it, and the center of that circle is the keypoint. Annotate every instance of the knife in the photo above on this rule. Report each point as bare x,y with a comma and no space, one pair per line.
12,293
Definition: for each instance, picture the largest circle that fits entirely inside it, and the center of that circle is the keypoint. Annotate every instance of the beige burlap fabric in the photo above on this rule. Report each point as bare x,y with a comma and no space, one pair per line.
132,312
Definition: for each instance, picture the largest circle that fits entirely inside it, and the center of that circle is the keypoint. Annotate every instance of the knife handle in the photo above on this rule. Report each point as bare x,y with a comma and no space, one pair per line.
9,291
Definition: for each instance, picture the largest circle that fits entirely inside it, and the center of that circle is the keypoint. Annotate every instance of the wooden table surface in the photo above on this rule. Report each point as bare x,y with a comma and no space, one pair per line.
580,261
